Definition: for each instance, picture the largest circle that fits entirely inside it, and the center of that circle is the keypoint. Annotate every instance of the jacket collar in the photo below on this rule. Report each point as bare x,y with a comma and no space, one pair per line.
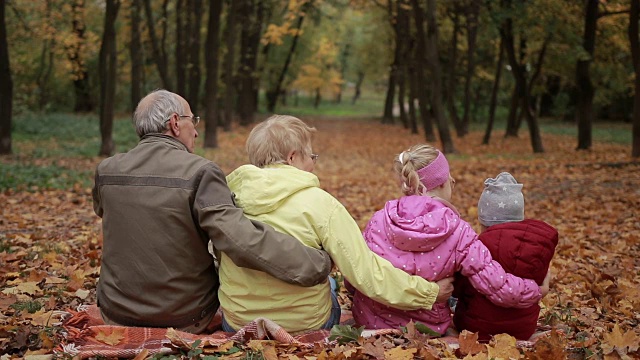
169,140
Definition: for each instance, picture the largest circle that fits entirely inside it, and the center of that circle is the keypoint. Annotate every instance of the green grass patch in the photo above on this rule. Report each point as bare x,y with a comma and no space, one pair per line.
55,136
28,306
610,132
26,176
619,133
66,135
368,106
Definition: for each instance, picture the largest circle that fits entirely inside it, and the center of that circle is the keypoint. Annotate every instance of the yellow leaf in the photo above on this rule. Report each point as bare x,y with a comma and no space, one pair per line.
113,338
399,353
503,346
41,317
28,287
621,342
478,356
82,293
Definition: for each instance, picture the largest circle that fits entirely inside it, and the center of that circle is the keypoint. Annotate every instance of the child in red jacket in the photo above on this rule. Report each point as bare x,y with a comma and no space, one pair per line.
524,248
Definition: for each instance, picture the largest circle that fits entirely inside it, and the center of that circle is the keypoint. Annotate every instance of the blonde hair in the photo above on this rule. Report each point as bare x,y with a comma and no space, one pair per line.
271,141
407,164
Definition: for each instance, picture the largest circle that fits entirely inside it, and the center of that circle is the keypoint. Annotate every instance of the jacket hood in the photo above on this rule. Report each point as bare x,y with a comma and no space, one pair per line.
415,223
262,190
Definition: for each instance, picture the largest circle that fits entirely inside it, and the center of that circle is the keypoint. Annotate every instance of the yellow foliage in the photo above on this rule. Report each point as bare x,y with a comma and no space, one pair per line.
320,73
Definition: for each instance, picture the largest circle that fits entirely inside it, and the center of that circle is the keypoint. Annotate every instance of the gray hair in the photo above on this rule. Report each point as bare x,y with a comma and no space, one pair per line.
153,111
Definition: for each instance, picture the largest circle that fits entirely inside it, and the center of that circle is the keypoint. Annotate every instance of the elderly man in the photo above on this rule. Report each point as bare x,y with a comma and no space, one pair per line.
160,205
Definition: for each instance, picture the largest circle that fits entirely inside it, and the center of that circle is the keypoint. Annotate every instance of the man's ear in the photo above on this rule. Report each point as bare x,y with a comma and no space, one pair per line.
290,157
174,128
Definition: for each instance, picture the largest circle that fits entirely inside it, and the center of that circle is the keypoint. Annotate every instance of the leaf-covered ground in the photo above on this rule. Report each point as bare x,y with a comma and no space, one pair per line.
50,241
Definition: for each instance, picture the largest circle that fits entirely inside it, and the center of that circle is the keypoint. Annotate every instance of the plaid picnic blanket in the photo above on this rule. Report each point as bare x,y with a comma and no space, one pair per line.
88,336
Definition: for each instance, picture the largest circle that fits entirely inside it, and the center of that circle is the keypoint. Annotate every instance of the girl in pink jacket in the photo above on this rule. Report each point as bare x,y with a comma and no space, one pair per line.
422,233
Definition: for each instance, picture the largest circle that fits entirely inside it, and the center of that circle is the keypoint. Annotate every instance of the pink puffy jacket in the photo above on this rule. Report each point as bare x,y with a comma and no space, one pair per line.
425,236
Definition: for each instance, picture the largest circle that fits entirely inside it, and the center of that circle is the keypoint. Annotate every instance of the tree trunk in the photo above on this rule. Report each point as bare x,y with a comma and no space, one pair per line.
450,88
273,94
387,114
247,71
436,83
6,87
494,96
473,13
521,89
135,51
358,87
413,119
418,60
159,52
212,47
318,97
107,65
402,25
46,69
229,59
344,61
537,70
193,93
183,33
46,64
635,56
585,90
514,118
76,57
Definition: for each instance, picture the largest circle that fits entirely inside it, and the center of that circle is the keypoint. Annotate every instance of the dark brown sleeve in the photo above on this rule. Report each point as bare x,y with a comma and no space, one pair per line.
252,244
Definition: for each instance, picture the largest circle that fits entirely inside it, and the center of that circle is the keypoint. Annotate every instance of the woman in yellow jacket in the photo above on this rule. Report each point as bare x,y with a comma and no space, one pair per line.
280,189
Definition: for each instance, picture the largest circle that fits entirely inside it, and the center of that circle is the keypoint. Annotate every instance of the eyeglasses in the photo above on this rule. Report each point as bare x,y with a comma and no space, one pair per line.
194,119
314,157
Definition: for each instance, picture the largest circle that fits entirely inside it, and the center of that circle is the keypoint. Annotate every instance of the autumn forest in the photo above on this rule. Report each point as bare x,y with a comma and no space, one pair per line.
548,90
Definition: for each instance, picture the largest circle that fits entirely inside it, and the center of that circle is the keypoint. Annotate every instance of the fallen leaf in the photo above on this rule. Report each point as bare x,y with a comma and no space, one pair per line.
6,300
503,346
28,287
40,317
551,347
399,353
620,342
113,337
82,293
469,343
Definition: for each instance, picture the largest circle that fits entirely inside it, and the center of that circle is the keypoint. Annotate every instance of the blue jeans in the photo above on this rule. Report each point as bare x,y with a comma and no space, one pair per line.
334,318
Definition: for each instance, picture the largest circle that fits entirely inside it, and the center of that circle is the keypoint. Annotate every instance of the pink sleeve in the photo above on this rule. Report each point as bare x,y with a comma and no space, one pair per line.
489,278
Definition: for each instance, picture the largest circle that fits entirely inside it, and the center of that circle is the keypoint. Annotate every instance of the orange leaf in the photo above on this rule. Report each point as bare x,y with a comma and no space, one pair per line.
371,349
548,347
112,338
469,343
